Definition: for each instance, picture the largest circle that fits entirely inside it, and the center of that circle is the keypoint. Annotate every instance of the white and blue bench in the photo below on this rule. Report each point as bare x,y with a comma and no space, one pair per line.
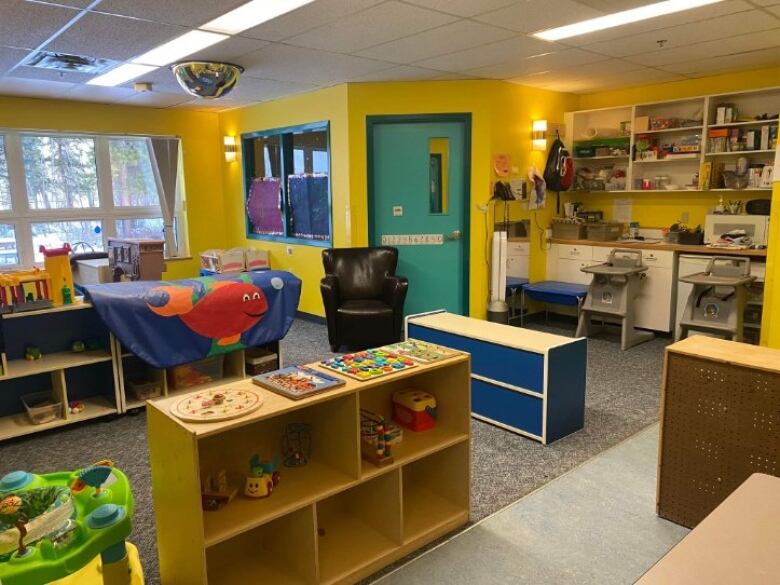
528,382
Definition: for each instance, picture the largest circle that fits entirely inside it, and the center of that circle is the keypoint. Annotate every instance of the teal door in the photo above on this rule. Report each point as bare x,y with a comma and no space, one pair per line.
418,203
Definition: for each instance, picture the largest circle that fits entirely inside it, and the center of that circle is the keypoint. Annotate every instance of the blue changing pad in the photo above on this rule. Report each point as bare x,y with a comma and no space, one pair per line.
556,292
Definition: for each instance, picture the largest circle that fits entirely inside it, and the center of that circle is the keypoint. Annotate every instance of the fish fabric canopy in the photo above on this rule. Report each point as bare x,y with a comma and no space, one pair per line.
168,323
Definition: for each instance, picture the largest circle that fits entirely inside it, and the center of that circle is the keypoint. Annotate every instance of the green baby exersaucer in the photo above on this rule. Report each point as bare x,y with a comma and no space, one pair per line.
67,528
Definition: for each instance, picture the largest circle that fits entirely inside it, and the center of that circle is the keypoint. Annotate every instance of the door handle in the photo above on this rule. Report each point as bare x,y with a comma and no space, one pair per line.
454,235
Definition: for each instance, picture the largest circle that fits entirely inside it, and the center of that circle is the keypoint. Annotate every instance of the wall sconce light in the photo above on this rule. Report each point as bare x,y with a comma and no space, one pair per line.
231,149
539,135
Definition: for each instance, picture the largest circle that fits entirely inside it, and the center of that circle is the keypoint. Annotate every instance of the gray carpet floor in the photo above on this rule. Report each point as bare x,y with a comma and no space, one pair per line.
622,398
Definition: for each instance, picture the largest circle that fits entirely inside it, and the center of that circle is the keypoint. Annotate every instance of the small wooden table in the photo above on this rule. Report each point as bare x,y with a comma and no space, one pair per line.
736,543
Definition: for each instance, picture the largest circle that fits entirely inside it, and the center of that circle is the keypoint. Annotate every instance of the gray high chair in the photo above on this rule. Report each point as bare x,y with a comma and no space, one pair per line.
612,293
717,302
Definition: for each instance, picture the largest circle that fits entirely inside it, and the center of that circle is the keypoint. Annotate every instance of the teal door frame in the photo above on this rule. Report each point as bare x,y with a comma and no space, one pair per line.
465,119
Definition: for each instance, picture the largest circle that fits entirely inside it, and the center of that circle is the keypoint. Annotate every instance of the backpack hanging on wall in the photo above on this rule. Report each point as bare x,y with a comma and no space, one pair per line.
559,170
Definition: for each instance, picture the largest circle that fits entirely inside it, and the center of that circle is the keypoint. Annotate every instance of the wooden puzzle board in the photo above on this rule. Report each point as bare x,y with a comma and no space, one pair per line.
368,365
216,404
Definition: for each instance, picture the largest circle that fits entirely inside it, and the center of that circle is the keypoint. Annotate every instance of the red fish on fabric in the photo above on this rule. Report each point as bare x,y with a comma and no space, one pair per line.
226,310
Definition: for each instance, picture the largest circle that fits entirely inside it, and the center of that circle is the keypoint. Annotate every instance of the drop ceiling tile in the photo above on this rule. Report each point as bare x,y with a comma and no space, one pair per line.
10,57
775,10
765,2
557,82
307,17
386,22
536,15
162,80
97,93
684,35
230,50
251,89
457,36
728,46
609,6
181,12
402,73
286,63
629,31
155,99
751,60
501,52
462,7
537,64
72,3
26,25
33,87
112,37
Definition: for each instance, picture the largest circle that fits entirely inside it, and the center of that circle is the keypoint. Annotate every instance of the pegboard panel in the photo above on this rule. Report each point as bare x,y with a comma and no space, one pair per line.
720,424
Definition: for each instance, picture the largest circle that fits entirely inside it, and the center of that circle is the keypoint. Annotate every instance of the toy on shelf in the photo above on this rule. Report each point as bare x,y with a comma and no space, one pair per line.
78,346
64,528
375,438
75,407
369,364
421,351
414,409
216,405
296,382
296,444
32,353
56,261
25,290
135,259
216,492
262,479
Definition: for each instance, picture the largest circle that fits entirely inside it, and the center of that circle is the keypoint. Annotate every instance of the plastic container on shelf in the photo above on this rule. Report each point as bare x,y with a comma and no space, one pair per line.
195,373
568,231
604,232
42,408
144,390
686,238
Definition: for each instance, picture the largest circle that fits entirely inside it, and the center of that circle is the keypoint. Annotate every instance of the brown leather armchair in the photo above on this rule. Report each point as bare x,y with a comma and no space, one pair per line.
363,298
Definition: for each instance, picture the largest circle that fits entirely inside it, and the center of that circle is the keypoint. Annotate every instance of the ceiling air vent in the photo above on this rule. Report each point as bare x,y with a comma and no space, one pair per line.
64,62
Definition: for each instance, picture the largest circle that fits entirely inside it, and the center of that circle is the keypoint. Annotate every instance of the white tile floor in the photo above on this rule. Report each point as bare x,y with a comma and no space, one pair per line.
595,525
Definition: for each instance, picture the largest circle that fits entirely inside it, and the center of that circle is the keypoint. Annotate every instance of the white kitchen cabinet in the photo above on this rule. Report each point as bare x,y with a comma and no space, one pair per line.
518,254
654,303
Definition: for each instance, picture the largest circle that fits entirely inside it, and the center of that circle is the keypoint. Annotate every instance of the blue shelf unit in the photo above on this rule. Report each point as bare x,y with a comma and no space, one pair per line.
528,382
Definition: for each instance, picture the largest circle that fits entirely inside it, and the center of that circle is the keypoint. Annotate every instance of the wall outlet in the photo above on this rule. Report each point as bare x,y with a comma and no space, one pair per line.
685,217
548,234
289,250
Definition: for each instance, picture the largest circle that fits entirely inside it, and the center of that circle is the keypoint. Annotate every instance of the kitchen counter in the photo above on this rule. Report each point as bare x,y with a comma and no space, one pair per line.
758,254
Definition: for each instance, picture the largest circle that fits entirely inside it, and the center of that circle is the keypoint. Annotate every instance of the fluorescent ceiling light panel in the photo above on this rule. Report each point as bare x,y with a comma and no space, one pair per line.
180,47
621,18
252,14
121,74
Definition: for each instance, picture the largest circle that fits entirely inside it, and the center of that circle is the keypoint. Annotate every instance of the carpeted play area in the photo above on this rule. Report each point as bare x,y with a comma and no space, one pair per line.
505,466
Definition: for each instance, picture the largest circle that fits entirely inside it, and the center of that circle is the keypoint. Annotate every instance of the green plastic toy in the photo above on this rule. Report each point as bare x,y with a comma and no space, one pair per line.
54,527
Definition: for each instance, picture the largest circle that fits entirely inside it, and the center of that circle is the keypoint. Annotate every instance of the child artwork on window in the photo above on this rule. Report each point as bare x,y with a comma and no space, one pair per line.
263,206
309,206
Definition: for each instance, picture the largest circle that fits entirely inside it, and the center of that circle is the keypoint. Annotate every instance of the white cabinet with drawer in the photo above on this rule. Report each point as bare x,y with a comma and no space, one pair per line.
655,304
517,257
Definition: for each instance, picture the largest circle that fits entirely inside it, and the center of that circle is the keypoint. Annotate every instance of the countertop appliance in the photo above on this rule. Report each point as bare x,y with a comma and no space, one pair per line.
755,226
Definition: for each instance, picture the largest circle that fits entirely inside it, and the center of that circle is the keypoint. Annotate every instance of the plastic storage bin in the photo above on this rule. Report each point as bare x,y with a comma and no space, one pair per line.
604,232
568,231
42,408
259,361
194,373
144,390
223,260
255,259
686,238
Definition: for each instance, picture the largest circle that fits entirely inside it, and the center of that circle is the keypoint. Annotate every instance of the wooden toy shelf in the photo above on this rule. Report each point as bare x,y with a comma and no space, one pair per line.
89,377
337,519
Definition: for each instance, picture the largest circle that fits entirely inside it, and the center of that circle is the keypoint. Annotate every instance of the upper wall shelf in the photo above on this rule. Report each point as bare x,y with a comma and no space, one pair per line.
732,113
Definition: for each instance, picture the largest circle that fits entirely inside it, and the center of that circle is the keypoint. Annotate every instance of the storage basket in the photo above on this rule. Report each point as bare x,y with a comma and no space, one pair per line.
604,232
259,361
144,390
686,238
42,408
568,231
256,259
194,373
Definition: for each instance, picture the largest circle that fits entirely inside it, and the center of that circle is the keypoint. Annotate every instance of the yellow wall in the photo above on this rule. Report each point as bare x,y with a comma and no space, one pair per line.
501,122
305,261
201,147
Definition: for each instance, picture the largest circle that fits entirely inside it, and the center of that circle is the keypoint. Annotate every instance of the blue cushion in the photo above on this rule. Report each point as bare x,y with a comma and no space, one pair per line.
514,283
555,292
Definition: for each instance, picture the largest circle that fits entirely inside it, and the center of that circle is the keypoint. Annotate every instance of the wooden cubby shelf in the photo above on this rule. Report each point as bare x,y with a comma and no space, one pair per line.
335,520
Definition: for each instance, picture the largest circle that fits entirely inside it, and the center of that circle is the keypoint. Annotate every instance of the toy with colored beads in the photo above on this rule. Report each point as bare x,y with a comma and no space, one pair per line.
369,364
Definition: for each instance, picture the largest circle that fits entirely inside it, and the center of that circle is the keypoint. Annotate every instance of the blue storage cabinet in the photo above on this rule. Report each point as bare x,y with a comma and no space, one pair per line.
528,382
